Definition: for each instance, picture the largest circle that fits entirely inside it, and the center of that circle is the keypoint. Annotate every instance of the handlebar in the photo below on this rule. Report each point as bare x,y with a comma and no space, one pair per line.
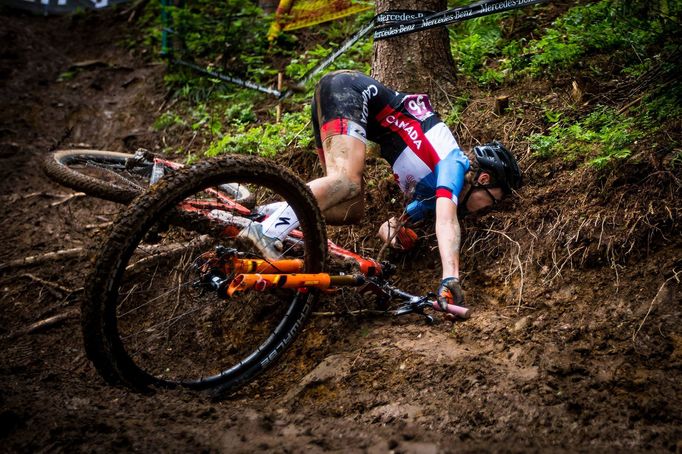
417,304
458,311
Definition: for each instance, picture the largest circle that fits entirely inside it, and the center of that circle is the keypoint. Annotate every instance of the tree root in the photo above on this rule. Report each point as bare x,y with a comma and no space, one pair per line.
43,258
651,305
46,323
53,285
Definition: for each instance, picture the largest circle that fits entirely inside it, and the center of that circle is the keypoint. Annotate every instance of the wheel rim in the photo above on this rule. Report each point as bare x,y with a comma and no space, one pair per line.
171,327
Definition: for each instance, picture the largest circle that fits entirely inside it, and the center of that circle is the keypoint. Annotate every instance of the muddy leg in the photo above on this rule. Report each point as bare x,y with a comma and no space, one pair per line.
340,192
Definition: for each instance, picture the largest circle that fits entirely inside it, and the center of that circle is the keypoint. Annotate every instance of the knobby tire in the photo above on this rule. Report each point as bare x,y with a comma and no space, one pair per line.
56,166
103,345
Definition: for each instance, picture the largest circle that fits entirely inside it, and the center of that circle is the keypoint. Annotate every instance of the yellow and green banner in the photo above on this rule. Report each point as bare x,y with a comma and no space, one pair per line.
295,14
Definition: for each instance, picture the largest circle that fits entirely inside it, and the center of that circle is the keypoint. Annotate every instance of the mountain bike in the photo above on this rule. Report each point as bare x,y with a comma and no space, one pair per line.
177,299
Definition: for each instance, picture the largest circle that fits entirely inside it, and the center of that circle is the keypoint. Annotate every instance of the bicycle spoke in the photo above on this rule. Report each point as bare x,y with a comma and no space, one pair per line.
117,175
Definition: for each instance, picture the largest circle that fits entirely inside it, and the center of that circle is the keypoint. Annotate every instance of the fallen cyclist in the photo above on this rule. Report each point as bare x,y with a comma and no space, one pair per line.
349,108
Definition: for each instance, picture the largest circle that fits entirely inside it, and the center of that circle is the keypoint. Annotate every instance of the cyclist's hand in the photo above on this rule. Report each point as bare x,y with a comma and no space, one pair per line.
450,292
397,235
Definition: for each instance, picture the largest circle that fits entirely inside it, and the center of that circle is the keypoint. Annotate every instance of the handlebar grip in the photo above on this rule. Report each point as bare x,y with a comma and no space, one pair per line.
458,311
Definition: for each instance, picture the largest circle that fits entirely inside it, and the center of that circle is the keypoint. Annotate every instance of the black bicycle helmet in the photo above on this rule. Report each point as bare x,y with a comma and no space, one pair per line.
495,159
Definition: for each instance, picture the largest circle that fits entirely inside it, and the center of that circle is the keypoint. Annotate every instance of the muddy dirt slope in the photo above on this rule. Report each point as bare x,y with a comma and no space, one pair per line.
572,348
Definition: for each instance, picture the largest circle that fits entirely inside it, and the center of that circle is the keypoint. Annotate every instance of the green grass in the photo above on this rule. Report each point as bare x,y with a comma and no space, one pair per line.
267,139
602,137
224,116
607,38
610,27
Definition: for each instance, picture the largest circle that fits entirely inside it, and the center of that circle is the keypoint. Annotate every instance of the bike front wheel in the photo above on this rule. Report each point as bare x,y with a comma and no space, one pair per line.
154,314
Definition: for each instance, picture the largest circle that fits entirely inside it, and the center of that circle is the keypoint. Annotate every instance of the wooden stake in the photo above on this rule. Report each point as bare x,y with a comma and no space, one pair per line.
501,104
280,81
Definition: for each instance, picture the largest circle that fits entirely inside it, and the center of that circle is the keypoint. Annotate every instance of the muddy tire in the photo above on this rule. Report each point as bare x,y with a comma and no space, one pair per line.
148,328
110,175
67,167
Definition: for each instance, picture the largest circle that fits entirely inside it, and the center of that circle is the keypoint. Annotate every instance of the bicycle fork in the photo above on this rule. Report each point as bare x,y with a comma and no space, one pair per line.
411,304
228,273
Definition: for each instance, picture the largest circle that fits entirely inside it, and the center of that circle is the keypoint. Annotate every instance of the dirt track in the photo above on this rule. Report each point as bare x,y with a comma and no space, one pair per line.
559,372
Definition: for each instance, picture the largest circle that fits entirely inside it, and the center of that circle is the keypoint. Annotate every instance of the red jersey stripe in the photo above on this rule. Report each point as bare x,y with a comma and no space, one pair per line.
411,132
334,127
444,192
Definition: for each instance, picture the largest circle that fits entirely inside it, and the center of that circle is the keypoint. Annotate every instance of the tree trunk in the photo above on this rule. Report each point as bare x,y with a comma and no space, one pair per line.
418,62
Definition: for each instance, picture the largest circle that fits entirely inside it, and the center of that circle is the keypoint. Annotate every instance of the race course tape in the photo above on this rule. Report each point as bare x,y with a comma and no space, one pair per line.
450,16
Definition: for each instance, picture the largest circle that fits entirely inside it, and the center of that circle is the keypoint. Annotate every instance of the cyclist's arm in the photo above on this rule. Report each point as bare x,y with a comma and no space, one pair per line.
449,236
450,179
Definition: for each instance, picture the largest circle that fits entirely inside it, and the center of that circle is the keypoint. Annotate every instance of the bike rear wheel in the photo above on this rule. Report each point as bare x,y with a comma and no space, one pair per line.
151,316
104,174
114,176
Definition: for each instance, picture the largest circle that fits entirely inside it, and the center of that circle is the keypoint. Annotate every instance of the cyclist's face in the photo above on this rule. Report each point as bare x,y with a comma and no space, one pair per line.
480,198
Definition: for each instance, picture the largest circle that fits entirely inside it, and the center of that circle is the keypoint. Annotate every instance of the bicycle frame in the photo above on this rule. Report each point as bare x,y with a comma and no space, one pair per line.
246,274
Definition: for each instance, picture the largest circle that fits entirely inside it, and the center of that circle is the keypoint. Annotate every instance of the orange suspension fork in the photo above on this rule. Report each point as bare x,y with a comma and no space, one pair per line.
263,282
238,266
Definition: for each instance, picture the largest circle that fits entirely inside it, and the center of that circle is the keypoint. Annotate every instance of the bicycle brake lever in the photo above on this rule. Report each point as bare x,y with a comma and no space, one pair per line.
413,305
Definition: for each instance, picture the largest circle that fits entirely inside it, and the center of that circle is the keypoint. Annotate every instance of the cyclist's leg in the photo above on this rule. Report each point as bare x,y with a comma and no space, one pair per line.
340,193
340,139
348,212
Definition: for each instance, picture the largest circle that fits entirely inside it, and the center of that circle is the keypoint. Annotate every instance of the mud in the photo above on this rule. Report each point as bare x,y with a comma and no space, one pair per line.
567,351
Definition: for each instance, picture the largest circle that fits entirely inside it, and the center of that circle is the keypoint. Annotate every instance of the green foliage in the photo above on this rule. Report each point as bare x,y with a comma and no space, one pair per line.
665,103
358,57
231,37
472,43
298,67
167,120
240,113
623,30
230,29
552,116
458,105
602,137
599,26
481,38
676,161
266,139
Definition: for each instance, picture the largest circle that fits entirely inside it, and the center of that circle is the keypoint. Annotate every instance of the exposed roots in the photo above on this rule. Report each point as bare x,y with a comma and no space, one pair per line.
676,277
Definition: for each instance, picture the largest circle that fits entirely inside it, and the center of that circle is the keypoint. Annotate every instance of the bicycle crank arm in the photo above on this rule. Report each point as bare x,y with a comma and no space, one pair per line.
263,282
